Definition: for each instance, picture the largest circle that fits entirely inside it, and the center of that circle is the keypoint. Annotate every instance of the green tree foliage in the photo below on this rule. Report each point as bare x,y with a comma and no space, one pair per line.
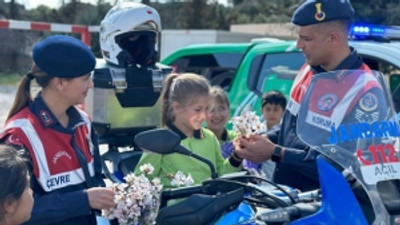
195,14
263,11
385,12
169,13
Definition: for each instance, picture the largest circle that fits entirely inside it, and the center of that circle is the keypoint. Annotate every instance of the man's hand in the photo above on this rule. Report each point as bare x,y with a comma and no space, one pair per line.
101,198
256,148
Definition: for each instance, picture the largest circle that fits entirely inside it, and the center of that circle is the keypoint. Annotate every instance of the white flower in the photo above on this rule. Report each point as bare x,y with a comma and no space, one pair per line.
180,180
138,200
248,123
146,169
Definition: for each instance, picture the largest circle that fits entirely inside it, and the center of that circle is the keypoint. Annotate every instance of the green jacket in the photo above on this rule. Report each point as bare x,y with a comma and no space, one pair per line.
205,144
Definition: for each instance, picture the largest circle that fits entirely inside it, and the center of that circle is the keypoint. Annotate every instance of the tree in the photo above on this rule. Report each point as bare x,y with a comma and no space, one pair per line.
195,14
377,11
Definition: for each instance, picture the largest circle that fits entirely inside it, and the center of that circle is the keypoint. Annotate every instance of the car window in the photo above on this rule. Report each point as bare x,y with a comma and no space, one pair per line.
219,68
391,71
278,72
231,60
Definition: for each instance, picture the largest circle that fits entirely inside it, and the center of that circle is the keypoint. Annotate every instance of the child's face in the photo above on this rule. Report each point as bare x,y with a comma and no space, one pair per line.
193,115
217,116
20,210
272,114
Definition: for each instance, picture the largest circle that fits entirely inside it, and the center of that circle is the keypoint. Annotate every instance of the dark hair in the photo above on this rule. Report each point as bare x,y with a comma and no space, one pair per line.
218,95
342,25
23,96
183,89
13,176
274,97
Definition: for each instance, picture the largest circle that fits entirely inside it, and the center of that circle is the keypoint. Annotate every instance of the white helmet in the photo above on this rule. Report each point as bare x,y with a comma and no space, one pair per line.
130,33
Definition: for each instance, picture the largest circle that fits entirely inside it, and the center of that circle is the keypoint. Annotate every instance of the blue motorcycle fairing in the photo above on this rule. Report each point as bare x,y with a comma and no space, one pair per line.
242,213
339,205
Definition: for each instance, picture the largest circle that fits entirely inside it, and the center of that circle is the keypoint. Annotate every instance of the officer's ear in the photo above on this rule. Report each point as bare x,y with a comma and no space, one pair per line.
58,83
335,37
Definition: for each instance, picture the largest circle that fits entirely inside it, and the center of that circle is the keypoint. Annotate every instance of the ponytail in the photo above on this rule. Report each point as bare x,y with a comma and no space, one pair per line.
167,112
23,96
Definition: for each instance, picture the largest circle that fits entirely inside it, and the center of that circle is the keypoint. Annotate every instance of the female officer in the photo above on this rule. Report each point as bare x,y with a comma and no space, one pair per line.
58,137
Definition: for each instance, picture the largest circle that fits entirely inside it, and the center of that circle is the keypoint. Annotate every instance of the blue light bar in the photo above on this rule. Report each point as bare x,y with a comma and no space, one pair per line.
367,30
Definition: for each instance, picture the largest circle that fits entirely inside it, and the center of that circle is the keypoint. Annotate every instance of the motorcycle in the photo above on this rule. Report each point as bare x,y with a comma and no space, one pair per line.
209,202
346,116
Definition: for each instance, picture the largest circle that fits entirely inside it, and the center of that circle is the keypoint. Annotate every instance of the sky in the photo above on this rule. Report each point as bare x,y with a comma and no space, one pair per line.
29,4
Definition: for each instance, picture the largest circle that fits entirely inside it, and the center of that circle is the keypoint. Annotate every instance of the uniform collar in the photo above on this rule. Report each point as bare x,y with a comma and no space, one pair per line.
197,134
48,119
224,136
353,61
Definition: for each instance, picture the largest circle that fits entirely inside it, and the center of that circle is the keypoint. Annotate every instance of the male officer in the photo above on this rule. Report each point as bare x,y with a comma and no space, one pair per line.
322,36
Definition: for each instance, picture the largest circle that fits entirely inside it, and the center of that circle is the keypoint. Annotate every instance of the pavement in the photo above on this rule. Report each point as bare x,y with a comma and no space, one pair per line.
7,94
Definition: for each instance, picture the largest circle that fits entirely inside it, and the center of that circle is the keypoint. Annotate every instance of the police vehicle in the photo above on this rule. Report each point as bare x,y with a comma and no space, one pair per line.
248,70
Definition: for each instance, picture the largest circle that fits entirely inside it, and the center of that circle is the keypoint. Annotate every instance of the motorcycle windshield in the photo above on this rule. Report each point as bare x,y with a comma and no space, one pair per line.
349,117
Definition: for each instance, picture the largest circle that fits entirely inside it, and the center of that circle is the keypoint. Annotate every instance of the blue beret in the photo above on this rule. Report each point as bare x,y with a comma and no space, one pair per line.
319,11
63,56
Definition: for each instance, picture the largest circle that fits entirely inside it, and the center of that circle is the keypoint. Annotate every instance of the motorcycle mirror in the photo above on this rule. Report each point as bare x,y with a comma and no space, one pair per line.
161,141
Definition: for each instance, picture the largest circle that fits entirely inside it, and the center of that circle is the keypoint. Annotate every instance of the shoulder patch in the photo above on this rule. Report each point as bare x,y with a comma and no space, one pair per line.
369,102
327,101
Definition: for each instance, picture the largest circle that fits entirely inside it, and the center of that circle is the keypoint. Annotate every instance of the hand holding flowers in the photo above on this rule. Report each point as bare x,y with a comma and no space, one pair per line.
137,201
250,144
247,124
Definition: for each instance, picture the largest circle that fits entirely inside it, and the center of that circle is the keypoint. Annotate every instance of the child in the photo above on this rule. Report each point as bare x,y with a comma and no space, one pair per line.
16,201
217,117
185,104
273,105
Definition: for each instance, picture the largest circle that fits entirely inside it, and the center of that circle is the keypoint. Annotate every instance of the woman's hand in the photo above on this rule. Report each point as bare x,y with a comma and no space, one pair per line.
101,198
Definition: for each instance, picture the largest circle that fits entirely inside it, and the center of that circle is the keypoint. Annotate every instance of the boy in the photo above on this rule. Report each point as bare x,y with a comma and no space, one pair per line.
273,105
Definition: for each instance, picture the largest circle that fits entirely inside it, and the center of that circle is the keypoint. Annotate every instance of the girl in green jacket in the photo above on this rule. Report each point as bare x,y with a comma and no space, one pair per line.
185,101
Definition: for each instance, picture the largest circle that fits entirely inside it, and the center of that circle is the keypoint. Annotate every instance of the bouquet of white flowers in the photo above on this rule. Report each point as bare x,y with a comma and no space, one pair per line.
248,123
137,200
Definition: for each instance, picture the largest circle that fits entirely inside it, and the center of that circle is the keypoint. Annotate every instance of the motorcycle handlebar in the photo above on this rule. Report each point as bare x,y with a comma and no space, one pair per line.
210,186
181,192
309,195
290,213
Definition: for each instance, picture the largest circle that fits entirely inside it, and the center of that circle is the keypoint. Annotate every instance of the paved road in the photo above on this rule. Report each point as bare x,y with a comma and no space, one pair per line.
7,94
